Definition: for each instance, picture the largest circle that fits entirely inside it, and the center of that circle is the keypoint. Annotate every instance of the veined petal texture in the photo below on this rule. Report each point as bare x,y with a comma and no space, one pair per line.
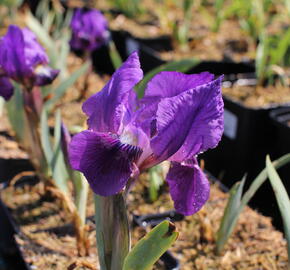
111,109
105,161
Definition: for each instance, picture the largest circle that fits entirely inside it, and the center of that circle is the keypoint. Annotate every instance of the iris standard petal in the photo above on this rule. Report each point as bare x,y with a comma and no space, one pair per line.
12,56
6,88
34,53
105,161
189,123
172,83
188,187
110,109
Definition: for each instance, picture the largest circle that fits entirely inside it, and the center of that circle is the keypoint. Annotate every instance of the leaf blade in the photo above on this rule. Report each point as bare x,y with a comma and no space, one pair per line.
282,200
230,217
149,249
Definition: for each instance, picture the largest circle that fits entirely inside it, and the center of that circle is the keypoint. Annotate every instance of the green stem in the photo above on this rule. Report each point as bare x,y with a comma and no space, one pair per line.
112,231
81,197
32,141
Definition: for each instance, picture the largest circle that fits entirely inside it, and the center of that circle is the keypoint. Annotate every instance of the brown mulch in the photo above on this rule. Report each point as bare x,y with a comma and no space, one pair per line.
47,239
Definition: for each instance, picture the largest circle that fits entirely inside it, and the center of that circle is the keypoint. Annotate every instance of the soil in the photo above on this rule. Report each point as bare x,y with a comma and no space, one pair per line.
47,239
258,96
230,42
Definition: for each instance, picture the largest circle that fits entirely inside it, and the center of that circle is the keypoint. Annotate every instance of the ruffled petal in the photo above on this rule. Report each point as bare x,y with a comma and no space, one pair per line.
112,108
172,83
189,187
6,88
105,161
34,52
189,123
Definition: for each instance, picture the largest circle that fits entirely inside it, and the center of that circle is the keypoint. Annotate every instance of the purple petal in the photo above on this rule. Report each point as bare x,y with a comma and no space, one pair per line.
110,109
6,88
89,29
188,186
105,161
12,56
34,53
166,84
171,83
44,75
23,59
189,123
65,141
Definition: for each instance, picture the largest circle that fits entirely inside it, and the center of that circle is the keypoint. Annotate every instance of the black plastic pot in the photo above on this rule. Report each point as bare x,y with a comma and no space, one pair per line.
101,57
11,167
148,52
281,120
9,250
249,135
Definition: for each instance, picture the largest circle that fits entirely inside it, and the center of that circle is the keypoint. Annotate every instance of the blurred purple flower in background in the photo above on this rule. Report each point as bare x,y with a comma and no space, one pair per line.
179,117
24,60
89,29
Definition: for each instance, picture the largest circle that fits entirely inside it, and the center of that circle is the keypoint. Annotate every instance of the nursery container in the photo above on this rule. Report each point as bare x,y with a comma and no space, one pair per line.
281,120
101,57
9,249
249,135
148,52
11,167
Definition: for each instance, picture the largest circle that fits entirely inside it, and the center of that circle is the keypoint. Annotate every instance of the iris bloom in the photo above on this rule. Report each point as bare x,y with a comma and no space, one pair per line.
89,29
179,117
24,60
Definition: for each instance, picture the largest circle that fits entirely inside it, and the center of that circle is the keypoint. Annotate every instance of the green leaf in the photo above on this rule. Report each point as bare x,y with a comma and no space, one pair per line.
59,91
57,162
15,110
255,185
282,200
261,178
261,57
63,54
156,180
45,137
230,217
181,66
114,55
278,54
43,36
2,103
149,249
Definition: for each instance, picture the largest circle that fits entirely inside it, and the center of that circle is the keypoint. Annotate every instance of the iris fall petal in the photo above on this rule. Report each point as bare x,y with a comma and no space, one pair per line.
188,186
105,161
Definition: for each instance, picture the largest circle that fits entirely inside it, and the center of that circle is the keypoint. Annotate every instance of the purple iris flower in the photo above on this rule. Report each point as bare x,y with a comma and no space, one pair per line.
179,117
89,29
24,60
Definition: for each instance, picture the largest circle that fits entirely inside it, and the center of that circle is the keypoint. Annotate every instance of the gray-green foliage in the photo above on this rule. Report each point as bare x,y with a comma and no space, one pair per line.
131,8
229,220
150,248
282,200
53,151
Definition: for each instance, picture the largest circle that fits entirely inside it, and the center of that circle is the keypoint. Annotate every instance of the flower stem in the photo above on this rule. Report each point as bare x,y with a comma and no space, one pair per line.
32,141
112,231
